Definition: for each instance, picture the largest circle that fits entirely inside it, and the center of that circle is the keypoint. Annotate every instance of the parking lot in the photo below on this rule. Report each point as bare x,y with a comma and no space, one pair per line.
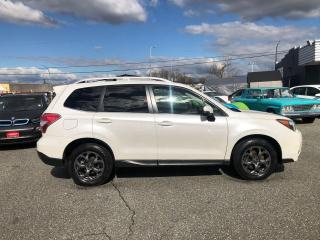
41,202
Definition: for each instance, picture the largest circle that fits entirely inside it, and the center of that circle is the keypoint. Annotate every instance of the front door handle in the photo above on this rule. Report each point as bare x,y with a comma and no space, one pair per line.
165,123
104,120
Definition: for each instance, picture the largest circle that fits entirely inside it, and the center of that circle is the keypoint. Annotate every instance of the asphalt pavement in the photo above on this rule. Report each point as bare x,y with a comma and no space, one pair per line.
41,202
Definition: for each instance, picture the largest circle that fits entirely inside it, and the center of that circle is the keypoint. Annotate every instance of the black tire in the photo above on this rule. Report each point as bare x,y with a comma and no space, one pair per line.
270,110
308,120
96,161
243,162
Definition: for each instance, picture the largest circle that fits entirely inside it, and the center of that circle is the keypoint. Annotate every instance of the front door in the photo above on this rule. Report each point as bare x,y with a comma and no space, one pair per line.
182,132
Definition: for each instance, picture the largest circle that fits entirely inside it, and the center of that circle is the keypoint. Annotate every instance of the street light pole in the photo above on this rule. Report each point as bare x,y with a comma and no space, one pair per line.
276,56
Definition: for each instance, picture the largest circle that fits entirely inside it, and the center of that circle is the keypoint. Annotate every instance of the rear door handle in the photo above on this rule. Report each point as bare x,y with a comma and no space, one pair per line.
104,120
165,123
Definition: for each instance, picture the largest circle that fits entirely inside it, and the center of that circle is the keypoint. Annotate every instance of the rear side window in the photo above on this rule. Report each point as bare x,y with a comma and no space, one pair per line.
85,99
126,98
311,91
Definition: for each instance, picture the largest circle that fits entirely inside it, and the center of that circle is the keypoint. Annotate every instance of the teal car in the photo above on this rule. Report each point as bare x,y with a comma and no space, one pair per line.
278,100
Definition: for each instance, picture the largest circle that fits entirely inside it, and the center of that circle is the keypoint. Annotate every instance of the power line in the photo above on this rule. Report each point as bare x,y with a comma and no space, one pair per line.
157,61
141,68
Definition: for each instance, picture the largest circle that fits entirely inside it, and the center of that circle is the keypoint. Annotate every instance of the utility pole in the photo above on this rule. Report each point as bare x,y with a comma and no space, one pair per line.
252,64
150,58
276,56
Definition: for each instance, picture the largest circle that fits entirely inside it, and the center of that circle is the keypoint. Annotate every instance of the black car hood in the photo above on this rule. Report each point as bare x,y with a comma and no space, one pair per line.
29,114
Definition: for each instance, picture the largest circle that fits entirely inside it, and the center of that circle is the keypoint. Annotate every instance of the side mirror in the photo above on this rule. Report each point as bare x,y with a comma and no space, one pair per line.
207,111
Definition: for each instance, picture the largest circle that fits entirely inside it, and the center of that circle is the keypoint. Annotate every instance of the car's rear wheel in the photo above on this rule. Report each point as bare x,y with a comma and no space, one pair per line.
90,165
254,159
308,120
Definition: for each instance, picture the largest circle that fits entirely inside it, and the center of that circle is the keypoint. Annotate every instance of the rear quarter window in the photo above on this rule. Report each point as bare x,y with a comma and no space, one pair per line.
84,99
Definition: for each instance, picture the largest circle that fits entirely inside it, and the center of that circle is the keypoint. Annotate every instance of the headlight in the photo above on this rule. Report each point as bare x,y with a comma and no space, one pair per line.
288,123
316,107
287,109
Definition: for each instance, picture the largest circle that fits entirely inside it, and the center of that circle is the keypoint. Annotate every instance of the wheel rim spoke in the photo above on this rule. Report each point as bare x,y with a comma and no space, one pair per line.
256,160
89,166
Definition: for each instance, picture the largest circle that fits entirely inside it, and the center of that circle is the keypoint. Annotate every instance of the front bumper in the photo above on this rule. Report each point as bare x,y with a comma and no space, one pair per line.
301,114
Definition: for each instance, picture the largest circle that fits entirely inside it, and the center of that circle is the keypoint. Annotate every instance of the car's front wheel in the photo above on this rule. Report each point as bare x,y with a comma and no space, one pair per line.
254,159
90,165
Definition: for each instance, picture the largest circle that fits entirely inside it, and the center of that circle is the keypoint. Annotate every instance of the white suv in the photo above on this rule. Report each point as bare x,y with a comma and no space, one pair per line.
96,125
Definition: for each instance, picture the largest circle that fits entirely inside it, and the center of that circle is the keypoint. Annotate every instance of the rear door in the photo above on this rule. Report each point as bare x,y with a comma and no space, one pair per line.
126,122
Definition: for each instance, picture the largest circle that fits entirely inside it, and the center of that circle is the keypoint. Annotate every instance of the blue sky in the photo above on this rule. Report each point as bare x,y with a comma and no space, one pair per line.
53,33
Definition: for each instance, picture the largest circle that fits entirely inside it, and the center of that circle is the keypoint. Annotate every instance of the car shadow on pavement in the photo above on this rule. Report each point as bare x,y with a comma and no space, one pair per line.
167,171
17,146
60,172
170,171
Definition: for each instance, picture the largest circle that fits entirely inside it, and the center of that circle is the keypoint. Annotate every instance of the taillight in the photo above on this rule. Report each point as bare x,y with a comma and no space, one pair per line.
47,119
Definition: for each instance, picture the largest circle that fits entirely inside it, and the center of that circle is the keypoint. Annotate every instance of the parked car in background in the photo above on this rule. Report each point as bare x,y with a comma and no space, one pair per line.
20,117
96,125
223,99
307,91
278,100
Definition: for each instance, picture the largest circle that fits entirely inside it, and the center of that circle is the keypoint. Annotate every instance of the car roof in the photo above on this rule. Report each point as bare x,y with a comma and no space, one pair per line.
10,95
313,85
267,88
95,82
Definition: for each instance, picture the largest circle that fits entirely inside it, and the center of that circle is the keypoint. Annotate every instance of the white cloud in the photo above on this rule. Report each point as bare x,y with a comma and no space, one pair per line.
257,9
248,37
110,11
238,38
17,12
33,74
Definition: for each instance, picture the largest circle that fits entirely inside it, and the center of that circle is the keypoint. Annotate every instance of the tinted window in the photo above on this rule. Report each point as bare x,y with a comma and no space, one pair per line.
126,98
299,91
22,103
254,93
85,99
180,101
312,91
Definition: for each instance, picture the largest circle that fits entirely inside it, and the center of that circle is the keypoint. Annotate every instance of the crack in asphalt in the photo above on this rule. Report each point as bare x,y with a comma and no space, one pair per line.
133,212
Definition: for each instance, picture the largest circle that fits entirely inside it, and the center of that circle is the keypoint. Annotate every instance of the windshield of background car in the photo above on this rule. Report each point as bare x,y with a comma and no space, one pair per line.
21,103
277,93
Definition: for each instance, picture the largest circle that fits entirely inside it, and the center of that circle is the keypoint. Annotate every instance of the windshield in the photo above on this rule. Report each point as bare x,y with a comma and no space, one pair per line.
21,103
278,93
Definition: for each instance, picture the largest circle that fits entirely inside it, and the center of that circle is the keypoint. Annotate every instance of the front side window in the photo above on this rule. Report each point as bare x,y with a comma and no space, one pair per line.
175,100
255,93
126,98
237,94
85,99
299,91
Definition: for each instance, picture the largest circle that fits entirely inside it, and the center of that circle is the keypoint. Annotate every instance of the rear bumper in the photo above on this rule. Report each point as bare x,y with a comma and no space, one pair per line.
50,161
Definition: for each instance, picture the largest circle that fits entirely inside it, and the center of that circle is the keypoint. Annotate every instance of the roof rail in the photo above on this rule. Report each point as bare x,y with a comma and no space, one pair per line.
92,80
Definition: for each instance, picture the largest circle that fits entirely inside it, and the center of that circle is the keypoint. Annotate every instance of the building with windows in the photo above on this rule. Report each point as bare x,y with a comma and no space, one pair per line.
301,65
24,87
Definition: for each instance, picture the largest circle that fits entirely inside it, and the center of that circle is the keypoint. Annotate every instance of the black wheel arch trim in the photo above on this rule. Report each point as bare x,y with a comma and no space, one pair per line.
265,137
